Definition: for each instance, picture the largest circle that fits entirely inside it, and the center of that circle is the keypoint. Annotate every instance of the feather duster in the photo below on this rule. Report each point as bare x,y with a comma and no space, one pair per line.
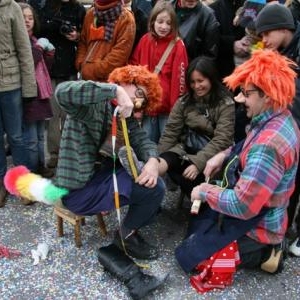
19,181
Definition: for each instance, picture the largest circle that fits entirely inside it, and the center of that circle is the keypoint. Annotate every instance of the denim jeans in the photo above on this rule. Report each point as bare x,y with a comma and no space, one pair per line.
33,133
154,126
11,114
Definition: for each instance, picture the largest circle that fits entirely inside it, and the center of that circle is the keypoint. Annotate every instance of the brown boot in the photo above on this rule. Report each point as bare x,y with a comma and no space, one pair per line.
2,194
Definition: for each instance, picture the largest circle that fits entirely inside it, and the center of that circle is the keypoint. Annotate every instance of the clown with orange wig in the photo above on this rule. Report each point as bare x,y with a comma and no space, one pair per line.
246,216
94,172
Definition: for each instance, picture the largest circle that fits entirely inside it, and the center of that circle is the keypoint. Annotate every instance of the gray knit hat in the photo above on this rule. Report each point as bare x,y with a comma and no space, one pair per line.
274,16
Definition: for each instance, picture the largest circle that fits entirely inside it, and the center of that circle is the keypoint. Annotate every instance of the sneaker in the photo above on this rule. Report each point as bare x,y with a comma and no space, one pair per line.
52,162
123,158
294,248
136,246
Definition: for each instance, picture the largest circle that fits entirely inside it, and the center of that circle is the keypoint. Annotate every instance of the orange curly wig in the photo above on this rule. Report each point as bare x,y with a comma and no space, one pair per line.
140,75
269,71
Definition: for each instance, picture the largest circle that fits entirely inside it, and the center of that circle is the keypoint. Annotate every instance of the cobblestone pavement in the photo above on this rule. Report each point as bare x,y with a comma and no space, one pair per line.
74,273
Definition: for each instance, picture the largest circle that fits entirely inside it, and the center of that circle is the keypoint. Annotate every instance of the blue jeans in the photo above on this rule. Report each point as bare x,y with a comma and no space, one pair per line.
154,126
33,133
11,114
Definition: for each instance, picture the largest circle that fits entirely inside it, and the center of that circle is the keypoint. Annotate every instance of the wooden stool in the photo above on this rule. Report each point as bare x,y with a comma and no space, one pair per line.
64,214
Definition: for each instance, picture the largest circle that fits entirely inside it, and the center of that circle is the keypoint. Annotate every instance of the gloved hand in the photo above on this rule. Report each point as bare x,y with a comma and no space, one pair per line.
45,44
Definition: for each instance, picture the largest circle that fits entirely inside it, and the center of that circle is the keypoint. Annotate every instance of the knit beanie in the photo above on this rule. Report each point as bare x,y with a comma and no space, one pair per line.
274,16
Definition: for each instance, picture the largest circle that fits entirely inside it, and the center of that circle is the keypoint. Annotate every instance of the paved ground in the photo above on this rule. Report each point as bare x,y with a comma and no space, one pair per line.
72,273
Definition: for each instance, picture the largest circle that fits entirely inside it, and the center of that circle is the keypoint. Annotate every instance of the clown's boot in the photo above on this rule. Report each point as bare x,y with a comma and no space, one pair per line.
116,262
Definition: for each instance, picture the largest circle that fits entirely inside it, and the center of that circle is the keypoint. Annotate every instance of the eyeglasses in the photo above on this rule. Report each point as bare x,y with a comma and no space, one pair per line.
247,93
140,99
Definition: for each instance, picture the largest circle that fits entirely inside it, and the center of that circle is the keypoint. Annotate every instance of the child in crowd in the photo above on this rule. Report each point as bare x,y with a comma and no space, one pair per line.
245,17
39,109
161,41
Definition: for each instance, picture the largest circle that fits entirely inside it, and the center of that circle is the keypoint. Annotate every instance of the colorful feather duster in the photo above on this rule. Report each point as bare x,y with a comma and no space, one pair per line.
19,181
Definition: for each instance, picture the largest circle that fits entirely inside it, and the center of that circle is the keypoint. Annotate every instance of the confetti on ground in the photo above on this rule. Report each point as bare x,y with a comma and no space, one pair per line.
74,273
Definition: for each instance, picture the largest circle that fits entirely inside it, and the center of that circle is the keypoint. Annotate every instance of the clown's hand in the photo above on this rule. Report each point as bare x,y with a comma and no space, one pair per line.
124,102
214,165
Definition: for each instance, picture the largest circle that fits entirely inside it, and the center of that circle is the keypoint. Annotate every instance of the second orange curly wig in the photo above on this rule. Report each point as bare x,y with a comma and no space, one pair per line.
269,71
140,75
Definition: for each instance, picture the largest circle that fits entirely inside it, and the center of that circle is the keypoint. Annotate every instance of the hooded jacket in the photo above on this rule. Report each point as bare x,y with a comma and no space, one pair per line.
97,58
16,61
217,124
172,75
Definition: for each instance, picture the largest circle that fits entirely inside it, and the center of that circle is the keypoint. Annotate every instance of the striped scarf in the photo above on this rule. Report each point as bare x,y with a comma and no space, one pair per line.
107,19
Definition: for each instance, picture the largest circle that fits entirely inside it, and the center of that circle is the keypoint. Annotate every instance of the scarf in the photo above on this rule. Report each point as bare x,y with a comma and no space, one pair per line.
107,18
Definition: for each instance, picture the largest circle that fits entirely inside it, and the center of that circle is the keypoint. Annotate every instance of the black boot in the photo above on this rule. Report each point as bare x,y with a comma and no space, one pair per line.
120,265
136,246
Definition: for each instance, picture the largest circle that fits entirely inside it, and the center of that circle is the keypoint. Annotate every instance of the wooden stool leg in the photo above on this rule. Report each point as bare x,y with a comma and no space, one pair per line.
101,224
60,226
77,234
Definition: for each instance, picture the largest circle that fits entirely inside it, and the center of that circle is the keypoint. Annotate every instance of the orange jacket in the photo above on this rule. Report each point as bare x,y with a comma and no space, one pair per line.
96,58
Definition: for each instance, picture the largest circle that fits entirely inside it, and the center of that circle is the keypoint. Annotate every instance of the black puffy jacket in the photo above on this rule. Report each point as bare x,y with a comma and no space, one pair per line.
199,30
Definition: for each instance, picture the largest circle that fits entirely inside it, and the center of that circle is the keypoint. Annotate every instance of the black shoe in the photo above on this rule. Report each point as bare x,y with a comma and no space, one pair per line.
136,246
118,264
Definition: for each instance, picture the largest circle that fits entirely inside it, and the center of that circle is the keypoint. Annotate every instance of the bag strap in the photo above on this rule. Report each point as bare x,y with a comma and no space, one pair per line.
87,57
166,54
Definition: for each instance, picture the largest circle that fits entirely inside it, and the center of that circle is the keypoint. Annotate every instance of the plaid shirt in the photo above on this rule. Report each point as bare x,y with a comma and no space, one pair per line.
269,161
86,103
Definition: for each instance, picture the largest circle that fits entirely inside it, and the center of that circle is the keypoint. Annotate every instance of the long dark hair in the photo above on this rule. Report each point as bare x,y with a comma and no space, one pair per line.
206,66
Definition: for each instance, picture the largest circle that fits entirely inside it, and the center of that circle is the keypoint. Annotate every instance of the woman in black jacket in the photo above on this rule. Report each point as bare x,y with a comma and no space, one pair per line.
61,22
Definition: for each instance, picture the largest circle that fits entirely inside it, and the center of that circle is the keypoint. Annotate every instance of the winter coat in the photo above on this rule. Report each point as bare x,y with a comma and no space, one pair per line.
214,122
40,108
224,11
16,62
295,9
199,30
172,75
97,58
65,50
